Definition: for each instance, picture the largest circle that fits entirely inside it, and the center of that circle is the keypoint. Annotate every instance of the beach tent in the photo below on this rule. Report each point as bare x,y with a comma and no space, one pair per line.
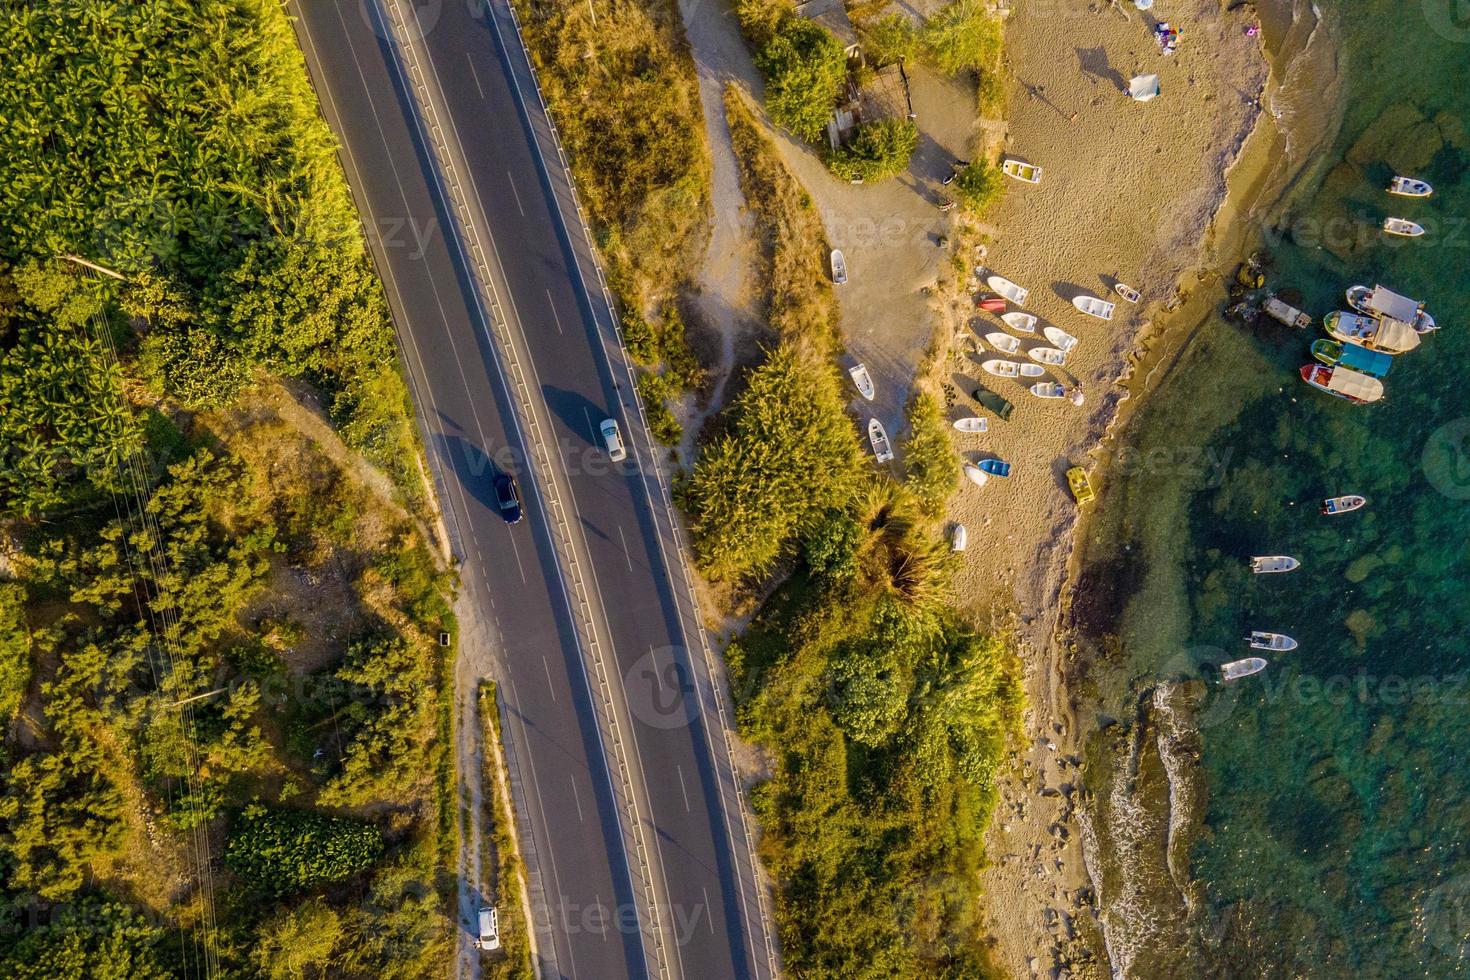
1141,88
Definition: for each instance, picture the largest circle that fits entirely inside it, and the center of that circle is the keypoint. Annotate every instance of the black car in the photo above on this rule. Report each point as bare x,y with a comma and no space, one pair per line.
508,498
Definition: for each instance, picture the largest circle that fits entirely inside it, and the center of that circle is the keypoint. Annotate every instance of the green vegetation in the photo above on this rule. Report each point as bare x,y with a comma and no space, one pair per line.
886,715
805,69
888,39
877,151
622,88
285,851
513,961
179,142
928,455
979,186
211,603
964,36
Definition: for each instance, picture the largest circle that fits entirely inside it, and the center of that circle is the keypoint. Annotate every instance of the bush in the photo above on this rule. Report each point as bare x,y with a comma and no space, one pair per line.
194,366
285,851
877,151
964,36
93,939
805,69
888,40
931,470
653,389
15,651
979,186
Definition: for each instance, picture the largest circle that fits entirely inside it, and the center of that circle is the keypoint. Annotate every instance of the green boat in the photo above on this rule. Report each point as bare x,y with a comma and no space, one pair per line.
1371,362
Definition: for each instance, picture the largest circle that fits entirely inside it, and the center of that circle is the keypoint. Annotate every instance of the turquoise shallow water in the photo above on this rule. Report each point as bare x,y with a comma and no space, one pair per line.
1320,812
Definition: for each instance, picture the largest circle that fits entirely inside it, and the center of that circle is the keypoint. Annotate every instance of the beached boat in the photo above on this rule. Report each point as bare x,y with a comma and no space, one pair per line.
975,474
1060,339
1003,342
996,403
1029,370
1080,486
1286,313
1047,355
1023,322
1093,306
879,438
1048,389
863,380
971,423
1272,564
1242,668
1402,226
1022,171
1409,187
1333,506
992,304
1279,642
839,268
1383,302
958,538
1357,388
1001,368
1371,362
1127,292
1386,334
1008,289
995,467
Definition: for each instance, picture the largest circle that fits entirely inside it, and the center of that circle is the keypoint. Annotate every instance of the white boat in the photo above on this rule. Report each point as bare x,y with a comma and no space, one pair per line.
972,423
1024,322
1060,339
1047,355
1242,668
1402,226
1341,505
1409,187
1003,342
1022,171
1383,302
879,438
1008,289
1360,389
863,380
1001,368
975,474
1049,389
1268,564
839,268
1093,306
1279,642
1386,334
1032,370
1127,292
958,537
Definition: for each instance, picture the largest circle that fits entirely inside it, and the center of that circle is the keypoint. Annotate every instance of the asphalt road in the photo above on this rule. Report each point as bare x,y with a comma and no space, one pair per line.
588,874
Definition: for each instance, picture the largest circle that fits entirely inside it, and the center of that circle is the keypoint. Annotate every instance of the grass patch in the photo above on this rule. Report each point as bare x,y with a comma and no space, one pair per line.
513,960
930,469
979,186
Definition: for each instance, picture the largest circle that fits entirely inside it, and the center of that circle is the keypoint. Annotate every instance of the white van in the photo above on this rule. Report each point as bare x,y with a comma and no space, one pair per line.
489,928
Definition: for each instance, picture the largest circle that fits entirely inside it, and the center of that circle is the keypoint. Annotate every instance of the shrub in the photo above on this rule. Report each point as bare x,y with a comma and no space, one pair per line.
805,68
285,851
653,389
889,39
978,186
877,151
15,650
964,36
194,366
931,472
94,939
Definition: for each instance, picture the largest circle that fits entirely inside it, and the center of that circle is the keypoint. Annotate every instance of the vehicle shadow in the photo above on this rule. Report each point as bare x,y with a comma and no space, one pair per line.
475,469
577,413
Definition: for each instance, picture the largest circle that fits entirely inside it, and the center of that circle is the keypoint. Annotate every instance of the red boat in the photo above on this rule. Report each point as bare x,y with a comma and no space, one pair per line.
992,304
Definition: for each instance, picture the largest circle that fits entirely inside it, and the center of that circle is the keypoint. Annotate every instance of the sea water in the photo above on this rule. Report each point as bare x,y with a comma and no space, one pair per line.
1312,820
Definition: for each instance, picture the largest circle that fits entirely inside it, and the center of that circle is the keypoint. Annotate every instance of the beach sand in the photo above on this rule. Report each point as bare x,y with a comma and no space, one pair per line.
1130,191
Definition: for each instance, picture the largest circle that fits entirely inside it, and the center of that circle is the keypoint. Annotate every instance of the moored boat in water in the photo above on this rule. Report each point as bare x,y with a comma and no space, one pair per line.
1409,187
1360,389
1371,362
1376,333
1381,301
1261,640
1280,310
1242,668
1402,226
1342,505
1271,564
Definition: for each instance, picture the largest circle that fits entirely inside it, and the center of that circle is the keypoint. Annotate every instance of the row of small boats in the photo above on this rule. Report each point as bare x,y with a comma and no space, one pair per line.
1406,187
1381,325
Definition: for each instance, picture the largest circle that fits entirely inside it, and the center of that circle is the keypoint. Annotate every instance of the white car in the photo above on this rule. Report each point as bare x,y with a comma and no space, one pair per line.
612,437
489,928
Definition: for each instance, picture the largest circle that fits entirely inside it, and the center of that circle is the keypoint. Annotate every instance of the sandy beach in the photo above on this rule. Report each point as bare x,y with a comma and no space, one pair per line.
1130,192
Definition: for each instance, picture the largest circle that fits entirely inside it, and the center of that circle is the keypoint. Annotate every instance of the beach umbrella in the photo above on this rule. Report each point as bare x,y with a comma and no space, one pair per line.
1143,87
1143,4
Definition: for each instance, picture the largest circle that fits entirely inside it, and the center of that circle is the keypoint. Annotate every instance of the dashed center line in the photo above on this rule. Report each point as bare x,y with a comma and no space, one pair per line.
683,789
512,182
578,798
627,555
549,683
549,301
474,74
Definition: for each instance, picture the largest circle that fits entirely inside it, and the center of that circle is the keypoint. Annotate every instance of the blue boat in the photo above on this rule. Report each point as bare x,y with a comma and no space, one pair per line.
1373,363
995,467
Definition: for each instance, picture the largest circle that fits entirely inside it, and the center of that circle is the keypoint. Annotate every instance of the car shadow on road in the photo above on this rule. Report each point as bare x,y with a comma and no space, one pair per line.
576,411
474,468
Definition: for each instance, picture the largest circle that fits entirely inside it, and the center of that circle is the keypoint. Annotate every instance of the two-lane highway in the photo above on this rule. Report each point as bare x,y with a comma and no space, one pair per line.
681,858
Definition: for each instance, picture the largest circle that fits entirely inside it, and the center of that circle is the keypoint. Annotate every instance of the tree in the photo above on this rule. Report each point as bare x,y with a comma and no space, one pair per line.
97,940
877,151
964,36
978,186
299,943
889,39
805,68
15,650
